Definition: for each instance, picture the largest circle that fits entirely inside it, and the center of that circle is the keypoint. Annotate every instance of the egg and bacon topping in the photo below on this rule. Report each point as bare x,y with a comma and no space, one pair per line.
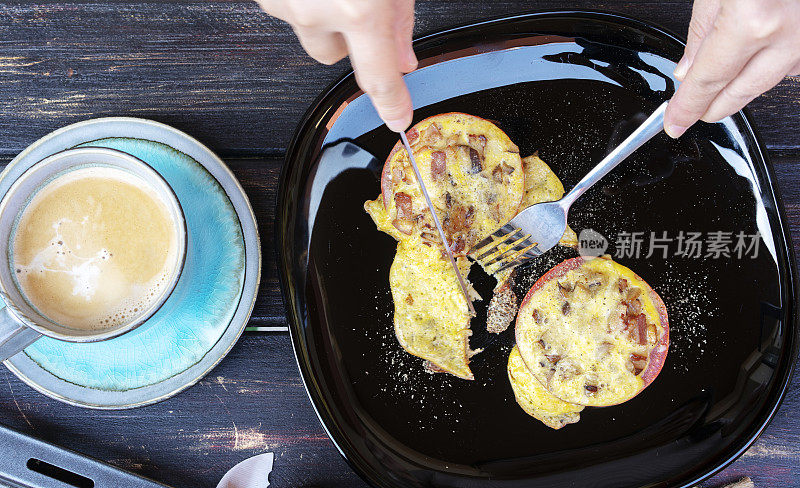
473,173
592,332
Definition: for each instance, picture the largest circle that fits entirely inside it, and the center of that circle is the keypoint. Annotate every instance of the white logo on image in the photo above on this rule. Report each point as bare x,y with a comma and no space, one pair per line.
591,244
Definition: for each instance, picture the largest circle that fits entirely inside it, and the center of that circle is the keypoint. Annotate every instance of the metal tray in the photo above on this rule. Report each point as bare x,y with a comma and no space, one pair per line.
31,463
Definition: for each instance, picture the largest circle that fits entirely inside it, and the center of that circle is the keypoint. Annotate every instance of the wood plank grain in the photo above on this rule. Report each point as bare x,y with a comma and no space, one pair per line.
253,402
224,71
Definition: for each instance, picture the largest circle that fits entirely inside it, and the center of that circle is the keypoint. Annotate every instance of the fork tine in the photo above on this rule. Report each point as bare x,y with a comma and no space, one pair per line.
500,249
491,249
514,249
521,257
510,264
530,253
494,238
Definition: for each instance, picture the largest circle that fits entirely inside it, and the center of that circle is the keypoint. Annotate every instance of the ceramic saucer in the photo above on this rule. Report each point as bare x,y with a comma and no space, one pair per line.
211,303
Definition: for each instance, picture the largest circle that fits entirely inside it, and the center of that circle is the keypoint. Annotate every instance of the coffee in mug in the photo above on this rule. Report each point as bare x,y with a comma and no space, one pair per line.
92,243
94,248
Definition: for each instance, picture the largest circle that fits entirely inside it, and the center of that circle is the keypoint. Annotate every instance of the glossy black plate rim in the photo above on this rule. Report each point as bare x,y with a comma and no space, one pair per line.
299,146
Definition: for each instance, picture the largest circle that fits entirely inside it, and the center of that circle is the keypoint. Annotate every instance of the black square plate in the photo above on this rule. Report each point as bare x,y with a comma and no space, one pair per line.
569,85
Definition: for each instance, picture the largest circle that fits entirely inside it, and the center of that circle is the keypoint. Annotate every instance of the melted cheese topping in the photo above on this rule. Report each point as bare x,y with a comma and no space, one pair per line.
578,338
535,399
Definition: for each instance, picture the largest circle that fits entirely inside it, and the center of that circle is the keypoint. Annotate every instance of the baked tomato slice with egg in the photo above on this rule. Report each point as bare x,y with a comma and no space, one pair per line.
593,332
473,173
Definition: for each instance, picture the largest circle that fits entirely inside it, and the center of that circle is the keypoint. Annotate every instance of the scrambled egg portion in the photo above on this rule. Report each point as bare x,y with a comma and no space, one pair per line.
535,399
431,318
542,185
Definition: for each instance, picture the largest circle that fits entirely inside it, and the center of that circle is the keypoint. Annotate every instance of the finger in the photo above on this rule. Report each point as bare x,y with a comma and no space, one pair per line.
373,54
404,32
325,47
721,57
764,70
703,14
275,8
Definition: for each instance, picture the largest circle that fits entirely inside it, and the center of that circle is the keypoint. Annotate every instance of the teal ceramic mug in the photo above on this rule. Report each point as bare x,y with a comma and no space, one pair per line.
21,323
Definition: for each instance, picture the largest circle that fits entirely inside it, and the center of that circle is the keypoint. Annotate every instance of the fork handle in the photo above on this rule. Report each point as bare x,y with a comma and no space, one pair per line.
649,128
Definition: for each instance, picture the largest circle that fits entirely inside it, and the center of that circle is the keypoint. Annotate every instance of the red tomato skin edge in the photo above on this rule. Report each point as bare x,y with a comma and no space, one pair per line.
658,354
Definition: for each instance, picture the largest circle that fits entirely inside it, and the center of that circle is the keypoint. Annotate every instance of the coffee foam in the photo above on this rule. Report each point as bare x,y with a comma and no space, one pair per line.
131,309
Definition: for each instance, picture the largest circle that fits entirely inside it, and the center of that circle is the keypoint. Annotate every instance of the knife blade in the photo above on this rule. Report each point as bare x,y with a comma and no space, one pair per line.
461,281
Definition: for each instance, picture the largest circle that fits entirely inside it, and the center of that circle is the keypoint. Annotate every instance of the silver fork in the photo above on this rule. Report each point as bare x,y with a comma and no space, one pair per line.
539,227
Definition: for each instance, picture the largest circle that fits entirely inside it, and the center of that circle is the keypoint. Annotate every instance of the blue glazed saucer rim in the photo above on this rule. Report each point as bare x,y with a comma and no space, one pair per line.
143,129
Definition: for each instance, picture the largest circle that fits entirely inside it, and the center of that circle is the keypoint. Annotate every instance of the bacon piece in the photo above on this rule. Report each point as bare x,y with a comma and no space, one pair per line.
430,238
412,136
403,225
398,175
476,161
637,363
469,217
403,202
458,246
641,326
438,165
431,136
478,142
553,358
633,307
403,222
537,317
497,174
632,293
458,219
565,287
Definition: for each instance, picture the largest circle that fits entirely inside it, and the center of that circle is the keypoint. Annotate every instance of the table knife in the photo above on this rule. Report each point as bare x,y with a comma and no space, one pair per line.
436,222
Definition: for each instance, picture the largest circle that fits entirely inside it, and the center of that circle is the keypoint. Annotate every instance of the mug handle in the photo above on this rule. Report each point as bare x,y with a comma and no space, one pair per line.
14,335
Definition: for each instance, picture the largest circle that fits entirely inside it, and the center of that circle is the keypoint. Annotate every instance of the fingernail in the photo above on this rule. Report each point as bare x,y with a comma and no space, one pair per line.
681,69
674,131
398,125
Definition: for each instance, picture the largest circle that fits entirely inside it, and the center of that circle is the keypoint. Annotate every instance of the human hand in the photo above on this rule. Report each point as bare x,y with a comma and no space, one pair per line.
375,33
736,50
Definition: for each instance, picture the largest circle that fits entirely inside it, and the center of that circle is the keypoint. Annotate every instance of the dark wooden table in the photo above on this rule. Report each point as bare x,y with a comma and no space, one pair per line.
238,81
